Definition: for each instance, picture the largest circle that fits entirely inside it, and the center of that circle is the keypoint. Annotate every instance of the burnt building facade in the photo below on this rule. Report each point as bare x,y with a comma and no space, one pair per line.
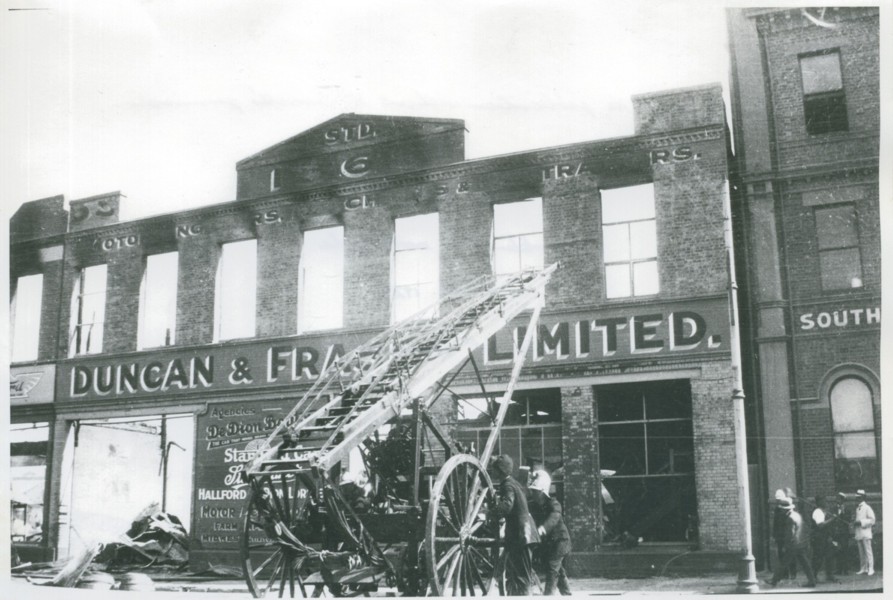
165,346
806,119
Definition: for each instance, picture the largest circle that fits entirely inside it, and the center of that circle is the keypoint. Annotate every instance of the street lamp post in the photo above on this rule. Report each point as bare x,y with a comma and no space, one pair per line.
747,576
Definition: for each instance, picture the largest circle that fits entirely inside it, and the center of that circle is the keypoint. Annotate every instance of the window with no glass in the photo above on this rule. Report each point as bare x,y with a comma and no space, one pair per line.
25,316
840,259
158,301
517,237
321,280
88,311
629,232
646,461
235,291
416,262
531,431
824,100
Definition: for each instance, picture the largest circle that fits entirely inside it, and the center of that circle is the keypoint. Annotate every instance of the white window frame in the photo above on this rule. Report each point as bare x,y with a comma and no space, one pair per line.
81,343
235,304
24,313
155,301
315,266
423,282
622,227
516,237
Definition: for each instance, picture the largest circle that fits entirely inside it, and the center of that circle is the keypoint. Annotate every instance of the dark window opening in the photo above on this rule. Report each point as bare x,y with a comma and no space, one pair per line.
531,432
646,463
824,100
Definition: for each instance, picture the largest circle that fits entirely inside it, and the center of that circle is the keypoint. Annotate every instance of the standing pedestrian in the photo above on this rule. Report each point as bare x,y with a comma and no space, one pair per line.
520,530
863,523
840,534
822,551
555,541
779,517
796,545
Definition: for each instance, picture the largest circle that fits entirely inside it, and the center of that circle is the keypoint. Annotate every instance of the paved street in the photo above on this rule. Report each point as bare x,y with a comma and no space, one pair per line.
711,584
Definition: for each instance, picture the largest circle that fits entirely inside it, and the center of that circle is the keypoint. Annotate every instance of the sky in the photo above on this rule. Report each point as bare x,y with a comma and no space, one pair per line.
160,99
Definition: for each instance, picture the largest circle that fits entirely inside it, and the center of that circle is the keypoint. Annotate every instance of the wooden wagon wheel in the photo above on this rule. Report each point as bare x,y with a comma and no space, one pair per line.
462,550
275,501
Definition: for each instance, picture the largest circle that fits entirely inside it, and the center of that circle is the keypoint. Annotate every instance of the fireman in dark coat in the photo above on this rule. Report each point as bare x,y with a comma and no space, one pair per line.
555,541
520,530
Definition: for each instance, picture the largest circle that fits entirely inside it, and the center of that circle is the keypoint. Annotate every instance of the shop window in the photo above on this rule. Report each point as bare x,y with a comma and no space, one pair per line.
855,446
321,280
235,291
275,180
629,237
416,265
88,311
840,259
27,474
158,301
25,316
517,237
531,431
646,462
824,100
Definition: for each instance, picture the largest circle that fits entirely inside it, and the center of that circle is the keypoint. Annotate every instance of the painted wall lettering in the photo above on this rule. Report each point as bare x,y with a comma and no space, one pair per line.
853,317
355,167
188,230
460,187
350,133
358,203
118,242
587,338
564,171
680,154
102,208
267,217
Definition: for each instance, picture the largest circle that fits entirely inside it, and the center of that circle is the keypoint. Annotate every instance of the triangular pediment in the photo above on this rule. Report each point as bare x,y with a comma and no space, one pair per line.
347,131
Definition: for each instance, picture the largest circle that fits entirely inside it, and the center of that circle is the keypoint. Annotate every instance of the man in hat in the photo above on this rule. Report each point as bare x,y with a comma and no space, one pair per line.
779,517
796,545
822,551
555,541
520,530
839,524
863,522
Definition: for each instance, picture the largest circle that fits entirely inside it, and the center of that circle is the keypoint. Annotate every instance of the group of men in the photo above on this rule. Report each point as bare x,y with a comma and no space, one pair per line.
533,520
828,536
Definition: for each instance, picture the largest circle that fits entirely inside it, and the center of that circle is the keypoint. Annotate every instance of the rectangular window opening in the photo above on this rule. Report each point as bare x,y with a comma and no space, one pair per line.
837,236
321,280
158,301
824,99
629,237
88,311
25,316
416,266
235,295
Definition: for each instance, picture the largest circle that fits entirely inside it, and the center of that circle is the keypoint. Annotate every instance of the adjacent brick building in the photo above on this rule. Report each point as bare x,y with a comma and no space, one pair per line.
806,108
627,397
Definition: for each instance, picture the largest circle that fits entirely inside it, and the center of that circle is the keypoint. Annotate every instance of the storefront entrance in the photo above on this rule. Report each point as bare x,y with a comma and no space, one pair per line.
646,463
113,469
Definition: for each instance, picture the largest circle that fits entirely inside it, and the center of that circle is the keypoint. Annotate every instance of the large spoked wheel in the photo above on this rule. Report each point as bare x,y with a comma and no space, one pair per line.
276,501
462,549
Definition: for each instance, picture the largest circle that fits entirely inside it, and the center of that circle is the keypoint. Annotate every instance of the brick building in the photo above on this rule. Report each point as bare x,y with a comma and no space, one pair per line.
806,108
168,344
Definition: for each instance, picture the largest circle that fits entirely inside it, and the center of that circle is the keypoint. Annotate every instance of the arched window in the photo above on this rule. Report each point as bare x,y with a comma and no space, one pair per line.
855,445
